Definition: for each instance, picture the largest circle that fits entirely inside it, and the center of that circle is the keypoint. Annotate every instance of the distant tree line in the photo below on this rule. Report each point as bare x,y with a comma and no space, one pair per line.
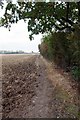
11,52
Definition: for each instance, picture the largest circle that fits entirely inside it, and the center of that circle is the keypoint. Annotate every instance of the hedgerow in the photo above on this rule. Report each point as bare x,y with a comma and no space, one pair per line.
64,49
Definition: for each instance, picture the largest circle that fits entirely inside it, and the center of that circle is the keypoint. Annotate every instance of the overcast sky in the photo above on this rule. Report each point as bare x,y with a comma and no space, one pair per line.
18,38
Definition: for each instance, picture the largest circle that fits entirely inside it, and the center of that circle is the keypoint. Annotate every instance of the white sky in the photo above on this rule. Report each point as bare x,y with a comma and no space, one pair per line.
18,38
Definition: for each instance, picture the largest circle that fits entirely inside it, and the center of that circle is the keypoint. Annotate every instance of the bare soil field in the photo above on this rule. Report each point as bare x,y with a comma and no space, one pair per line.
34,88
0,86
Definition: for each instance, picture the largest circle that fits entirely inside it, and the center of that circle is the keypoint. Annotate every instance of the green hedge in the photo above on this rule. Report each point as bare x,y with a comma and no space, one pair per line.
64,49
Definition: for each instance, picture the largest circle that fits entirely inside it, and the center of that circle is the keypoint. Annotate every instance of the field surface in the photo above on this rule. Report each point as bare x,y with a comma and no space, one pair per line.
33,87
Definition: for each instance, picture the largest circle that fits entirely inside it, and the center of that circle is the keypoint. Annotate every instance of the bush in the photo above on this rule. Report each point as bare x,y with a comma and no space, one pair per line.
76,72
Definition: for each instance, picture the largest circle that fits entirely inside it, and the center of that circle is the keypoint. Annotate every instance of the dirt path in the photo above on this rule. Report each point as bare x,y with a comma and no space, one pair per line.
33,88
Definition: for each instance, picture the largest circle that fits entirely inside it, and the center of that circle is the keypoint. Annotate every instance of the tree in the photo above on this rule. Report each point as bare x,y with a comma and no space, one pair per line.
43,16
1,3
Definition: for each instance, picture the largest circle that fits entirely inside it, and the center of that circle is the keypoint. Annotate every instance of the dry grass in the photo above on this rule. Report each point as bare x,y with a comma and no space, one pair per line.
63,86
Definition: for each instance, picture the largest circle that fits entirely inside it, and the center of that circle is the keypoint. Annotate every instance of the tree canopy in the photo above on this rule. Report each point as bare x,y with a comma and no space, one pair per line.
43,16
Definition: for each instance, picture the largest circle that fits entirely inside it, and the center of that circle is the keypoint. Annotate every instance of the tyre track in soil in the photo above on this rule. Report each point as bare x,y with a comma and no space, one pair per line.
35,95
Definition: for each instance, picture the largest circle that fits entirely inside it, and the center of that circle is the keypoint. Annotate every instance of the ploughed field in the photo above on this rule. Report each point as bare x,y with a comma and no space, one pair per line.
33,88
